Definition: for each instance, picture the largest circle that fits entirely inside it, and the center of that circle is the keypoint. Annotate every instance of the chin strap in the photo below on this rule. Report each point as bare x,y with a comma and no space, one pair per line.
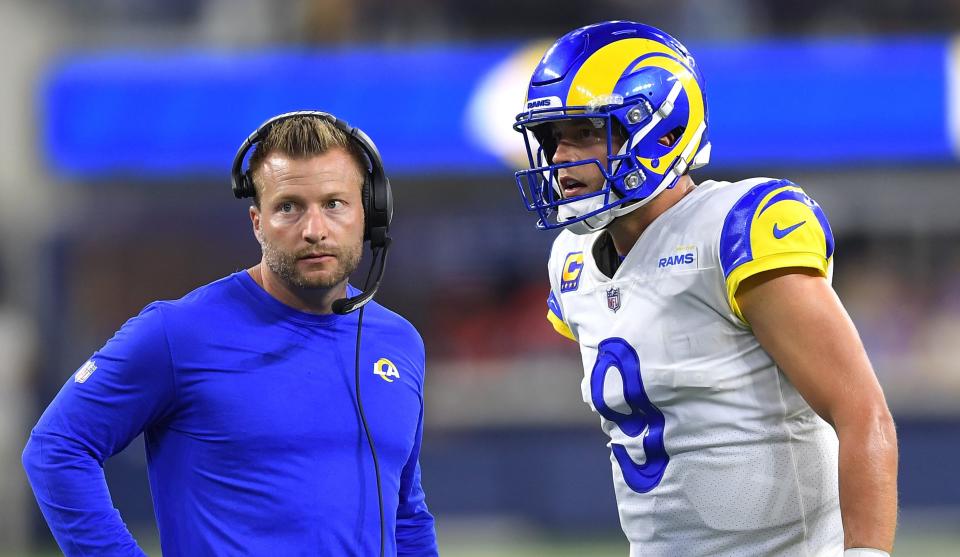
579,207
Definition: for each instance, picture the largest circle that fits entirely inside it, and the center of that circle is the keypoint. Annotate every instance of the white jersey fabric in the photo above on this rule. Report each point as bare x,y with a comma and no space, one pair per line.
713,450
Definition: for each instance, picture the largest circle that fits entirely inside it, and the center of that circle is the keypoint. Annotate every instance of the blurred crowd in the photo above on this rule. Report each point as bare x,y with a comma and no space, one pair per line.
326,21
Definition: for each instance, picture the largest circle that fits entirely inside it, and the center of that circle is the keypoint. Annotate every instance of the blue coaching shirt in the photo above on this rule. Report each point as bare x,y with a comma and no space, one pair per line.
253,442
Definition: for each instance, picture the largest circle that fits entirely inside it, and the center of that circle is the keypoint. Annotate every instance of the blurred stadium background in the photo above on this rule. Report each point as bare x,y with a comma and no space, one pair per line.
120,119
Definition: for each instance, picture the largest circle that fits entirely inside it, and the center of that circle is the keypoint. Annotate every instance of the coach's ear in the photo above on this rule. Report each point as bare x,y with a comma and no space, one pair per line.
255,221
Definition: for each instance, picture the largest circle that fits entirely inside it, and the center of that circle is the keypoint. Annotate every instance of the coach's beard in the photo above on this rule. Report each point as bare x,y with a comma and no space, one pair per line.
284,265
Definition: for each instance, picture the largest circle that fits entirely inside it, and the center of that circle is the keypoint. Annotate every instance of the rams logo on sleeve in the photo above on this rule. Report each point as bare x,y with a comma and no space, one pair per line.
774,225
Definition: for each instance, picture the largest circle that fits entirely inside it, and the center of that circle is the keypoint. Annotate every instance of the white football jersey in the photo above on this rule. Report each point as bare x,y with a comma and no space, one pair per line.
714,452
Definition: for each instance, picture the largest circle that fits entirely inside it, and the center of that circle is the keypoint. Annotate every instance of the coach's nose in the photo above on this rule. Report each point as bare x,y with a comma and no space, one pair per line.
315,227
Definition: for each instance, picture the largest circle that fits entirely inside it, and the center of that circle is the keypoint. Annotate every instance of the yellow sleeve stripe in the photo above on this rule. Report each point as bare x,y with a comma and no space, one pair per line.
767,263
560,326
774,217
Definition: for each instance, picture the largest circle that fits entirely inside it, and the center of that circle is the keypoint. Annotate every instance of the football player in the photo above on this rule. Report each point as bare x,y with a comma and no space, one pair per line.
743,414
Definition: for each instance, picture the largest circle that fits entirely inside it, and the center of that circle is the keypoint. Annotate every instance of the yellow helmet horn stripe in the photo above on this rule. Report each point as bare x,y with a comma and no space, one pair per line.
594,80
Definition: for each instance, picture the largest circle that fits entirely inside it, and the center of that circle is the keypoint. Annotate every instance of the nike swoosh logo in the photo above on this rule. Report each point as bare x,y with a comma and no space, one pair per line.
779,234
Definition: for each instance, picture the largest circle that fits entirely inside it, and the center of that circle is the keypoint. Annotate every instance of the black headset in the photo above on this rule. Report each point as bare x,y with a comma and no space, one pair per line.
376,194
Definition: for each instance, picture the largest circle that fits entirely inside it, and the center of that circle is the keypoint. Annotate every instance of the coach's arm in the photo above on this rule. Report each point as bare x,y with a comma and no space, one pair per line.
801,323
123,389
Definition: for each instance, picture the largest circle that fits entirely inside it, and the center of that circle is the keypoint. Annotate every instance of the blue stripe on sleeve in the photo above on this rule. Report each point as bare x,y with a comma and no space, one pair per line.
554,305
735,236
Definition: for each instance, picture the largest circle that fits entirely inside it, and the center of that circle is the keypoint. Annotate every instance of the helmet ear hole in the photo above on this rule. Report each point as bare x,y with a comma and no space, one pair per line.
671,138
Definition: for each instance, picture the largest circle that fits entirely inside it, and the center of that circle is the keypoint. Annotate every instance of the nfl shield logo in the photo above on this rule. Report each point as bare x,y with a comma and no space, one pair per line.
613,299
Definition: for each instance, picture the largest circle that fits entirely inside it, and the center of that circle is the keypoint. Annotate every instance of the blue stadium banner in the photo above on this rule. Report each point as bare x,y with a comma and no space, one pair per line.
445,109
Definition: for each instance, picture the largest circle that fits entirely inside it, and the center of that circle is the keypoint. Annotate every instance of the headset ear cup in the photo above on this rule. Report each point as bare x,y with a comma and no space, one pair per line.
388,202
366,193
249,190
381,203
378,211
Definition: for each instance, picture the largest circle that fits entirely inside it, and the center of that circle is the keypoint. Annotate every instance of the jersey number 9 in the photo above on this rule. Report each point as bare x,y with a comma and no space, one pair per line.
644,420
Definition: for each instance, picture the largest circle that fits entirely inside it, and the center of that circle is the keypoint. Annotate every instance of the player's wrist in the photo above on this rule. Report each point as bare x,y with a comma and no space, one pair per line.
865,552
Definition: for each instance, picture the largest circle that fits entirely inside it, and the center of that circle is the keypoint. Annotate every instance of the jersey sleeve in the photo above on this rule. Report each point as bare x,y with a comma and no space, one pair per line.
122,389
559,283
773,226
555,317
415,532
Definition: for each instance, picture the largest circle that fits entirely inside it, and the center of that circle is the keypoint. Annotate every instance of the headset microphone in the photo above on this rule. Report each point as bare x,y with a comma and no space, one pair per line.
353,303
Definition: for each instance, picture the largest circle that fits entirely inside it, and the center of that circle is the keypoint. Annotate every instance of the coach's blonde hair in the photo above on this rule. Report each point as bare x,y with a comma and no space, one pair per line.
302,137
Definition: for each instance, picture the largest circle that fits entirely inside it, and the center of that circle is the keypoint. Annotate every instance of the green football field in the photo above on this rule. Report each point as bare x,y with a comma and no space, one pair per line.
910,543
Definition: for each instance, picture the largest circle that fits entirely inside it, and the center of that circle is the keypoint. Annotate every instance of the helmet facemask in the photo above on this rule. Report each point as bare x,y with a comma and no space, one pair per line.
540,186
626,186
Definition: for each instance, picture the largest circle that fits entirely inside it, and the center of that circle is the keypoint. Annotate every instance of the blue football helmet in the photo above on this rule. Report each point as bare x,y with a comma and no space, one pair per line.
637,82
